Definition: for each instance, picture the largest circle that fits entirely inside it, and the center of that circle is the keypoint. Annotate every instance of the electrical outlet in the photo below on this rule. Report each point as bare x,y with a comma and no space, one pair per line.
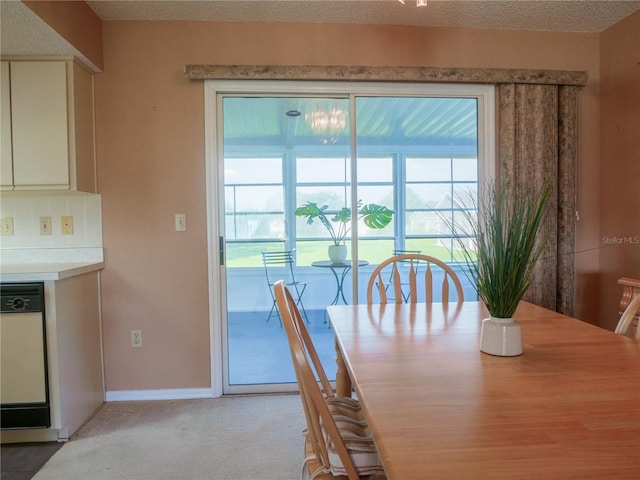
136,338
181,222
66,224
6,226
45,225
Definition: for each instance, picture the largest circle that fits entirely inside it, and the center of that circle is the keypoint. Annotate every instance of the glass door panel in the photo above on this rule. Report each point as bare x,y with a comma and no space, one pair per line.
414,155
278,153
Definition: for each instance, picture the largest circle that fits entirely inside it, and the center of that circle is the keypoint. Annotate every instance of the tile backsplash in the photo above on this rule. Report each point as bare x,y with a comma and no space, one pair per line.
26,208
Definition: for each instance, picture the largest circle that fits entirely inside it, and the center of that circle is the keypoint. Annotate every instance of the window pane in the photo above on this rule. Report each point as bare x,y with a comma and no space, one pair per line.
323,170
465,169
425,223
465,194
252,170
248,226
428,169
335,197
461,220
435,247
375,169
259,199
229,199
248,254
375,251
382,195
428,195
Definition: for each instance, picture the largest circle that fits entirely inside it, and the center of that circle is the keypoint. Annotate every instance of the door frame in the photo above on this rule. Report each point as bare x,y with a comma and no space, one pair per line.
485,93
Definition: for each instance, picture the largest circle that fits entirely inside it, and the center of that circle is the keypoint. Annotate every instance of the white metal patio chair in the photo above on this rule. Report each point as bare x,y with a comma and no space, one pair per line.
280,266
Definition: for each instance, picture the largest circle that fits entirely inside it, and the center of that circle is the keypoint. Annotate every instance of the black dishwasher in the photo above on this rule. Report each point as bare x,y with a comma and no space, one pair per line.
24,392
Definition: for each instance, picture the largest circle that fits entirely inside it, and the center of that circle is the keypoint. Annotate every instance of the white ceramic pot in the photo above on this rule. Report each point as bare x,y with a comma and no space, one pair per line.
501,336
337,253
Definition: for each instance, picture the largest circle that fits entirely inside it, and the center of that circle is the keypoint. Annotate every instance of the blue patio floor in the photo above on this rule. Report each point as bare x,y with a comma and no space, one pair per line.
259,352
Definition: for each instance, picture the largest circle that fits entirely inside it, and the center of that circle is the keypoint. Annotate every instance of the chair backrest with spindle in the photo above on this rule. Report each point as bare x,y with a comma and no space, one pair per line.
300,329
406,266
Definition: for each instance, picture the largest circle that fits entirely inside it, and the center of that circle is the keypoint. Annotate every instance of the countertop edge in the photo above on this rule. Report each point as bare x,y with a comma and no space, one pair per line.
39,273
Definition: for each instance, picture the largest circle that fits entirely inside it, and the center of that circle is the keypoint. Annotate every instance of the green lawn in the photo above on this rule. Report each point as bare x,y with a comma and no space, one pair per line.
374,251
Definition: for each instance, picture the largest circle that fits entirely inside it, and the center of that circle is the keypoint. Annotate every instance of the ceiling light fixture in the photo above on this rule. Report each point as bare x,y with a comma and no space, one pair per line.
419,3
333,121
329,124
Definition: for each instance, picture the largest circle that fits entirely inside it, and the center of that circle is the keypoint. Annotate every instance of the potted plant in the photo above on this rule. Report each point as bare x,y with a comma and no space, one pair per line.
504,224
373,215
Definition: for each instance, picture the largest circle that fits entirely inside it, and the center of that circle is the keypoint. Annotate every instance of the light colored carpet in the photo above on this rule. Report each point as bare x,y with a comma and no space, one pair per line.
230,438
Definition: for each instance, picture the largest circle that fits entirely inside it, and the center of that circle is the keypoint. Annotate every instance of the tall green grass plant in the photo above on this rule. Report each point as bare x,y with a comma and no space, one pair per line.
505,225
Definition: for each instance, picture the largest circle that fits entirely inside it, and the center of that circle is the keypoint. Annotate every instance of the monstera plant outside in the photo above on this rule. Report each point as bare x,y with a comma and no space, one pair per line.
373,215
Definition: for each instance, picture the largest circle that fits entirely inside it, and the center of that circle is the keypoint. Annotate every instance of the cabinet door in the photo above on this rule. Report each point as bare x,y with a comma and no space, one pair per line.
6,156
39,124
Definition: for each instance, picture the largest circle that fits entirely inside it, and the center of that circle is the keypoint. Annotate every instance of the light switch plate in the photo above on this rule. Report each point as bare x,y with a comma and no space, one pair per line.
45,225
6,226
181,222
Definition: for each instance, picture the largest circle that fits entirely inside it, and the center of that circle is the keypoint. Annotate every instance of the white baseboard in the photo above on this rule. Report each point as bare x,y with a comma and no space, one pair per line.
168,394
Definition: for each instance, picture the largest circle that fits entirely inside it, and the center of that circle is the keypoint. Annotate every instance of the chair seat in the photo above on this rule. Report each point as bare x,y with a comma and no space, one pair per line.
362,450
342,413
346,403
312,468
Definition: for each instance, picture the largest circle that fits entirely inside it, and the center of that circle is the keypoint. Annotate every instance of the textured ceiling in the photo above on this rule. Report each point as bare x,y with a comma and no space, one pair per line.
24,33
555,15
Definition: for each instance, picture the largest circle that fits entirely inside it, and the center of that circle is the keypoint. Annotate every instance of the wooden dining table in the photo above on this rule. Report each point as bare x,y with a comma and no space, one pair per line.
438,408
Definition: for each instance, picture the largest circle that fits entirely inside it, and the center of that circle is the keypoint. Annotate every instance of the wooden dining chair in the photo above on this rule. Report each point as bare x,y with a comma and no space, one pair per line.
335,447
631,313
404,285
630,289
399,270
346,406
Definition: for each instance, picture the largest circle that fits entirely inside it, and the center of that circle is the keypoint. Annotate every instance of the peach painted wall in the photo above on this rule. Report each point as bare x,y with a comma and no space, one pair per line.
151,163
75,22
620,163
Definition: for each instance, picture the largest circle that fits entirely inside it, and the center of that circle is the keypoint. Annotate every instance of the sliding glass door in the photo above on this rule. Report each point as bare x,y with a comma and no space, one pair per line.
279,152
272,153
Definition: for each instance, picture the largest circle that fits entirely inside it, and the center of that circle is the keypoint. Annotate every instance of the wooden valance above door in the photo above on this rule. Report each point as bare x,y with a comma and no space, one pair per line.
385,74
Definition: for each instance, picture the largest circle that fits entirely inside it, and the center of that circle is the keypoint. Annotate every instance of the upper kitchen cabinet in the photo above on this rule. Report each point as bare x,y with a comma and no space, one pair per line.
47,126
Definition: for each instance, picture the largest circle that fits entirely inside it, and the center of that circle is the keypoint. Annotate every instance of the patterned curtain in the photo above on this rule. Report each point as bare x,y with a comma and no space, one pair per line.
538,147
